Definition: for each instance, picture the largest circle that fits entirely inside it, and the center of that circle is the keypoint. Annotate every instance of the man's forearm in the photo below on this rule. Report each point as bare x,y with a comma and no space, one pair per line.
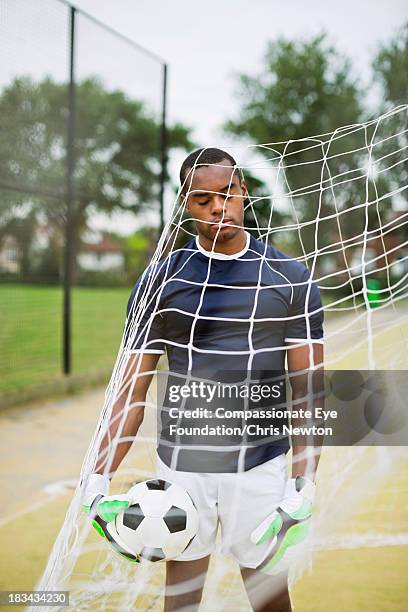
127,413
119,447
306,448
306,372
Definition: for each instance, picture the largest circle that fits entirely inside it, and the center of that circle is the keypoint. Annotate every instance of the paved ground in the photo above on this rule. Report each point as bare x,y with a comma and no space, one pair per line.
43,444
43,447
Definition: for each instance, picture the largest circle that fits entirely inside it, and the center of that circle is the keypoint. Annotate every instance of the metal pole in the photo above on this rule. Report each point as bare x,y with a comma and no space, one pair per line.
70,200
163,149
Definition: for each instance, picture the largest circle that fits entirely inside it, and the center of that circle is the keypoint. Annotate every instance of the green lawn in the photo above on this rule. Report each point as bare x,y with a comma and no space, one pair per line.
31,332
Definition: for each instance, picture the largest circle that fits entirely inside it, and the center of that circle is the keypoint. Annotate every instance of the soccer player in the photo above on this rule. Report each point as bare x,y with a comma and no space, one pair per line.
226,302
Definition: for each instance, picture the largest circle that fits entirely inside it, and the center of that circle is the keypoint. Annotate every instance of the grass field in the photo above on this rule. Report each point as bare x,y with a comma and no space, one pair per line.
31,332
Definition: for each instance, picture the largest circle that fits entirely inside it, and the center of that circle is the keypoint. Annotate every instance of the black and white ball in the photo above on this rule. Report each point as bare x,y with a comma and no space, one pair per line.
160,522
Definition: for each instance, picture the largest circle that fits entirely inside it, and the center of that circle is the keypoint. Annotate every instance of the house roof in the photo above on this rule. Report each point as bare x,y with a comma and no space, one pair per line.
106,245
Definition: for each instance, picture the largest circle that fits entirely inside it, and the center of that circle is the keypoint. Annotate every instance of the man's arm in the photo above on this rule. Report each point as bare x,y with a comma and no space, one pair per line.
132,398
127,416
288,525
303,361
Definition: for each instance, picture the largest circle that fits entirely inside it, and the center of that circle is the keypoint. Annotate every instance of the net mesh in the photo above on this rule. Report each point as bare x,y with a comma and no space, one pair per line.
337,203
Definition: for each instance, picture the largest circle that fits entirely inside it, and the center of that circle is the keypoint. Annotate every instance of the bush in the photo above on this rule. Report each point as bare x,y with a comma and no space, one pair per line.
113,278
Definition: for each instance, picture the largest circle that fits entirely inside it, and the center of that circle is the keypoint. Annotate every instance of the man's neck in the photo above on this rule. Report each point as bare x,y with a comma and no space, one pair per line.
227,247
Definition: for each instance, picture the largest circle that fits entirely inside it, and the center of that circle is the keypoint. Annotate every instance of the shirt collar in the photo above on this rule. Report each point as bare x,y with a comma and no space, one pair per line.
216,255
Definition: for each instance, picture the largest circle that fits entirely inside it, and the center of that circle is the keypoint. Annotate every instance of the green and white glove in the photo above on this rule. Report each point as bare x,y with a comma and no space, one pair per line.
288,526
103,508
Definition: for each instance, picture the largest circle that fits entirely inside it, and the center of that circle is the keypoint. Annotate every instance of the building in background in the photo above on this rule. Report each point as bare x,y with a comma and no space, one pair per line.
105,255
10,256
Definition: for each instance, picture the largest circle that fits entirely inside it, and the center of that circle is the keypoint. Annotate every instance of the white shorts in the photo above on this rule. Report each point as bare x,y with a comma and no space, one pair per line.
239,502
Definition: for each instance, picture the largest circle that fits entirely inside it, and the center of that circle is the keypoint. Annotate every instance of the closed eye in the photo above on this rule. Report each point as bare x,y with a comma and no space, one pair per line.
203,203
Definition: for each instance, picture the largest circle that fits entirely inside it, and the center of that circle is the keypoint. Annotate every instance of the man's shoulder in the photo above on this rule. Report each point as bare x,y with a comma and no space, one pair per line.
159,270
289,265
175,258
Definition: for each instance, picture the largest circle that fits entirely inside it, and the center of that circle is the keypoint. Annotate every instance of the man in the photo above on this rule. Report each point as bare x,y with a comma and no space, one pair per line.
224,303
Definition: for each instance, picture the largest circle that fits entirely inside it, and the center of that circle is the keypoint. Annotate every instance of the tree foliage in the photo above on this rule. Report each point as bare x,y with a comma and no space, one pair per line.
307,88
391,70
304,88
116,152
391,67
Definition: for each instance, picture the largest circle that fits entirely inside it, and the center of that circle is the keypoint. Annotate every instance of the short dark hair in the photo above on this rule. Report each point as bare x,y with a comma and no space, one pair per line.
204,157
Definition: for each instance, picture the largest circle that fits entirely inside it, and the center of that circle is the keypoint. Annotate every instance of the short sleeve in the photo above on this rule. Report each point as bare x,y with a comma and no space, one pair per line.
306,310
148,336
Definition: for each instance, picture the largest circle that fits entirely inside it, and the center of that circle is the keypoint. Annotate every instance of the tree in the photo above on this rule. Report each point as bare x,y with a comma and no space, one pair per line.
391,71
116,151
391,68
139,251
306,88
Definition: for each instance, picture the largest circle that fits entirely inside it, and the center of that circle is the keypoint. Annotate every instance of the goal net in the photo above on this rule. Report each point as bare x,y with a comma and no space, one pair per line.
336,203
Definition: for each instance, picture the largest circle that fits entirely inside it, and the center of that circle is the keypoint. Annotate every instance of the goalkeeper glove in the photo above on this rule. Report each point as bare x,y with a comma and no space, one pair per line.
288,526
103,508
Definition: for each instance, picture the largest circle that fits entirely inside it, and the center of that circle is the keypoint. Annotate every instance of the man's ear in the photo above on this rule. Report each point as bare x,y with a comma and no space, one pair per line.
184,201
244,188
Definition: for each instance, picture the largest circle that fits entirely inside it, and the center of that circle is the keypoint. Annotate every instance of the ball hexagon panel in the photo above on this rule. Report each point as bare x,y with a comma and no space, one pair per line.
177,496
152,532
192,521
176,544
155,503
157,485
133,516
175,519
137,492
152,554
128,537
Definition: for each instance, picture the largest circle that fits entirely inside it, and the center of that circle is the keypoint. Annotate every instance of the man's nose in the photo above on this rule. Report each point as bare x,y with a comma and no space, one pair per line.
219,205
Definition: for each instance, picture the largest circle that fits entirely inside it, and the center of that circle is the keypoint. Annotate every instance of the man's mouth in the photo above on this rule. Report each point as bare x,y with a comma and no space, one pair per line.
225,223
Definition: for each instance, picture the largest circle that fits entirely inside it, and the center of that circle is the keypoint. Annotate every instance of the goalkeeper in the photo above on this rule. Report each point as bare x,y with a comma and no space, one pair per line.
225,298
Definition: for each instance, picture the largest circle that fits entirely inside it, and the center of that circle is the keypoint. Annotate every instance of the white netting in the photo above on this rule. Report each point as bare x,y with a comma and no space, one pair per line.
337,203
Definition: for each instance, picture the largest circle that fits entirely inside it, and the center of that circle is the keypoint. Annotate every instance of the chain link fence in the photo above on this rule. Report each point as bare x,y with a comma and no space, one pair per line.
82,168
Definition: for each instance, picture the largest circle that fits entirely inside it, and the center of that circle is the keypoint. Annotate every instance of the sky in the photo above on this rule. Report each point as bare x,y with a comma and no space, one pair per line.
209,42
206,44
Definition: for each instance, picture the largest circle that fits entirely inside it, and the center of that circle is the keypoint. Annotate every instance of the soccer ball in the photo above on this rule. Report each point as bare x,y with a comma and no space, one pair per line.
160,522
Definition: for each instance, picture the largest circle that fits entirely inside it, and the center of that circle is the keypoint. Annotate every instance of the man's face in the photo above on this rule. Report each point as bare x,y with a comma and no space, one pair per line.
214,196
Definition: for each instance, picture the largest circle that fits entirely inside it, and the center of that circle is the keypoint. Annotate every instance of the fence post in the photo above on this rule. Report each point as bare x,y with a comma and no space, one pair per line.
70,199
163,149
